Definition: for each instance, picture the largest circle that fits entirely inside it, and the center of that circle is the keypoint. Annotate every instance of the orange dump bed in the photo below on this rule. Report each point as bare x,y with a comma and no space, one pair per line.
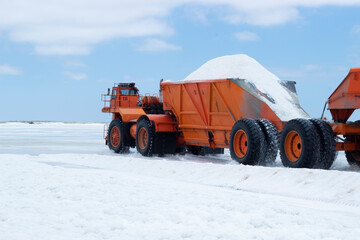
346,98
206,110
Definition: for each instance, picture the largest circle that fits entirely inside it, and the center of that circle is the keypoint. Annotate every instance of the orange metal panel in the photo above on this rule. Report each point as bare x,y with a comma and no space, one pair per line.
149,100
163,122
106,109
207,110
345,129
347,146
352,131
129,114
346,97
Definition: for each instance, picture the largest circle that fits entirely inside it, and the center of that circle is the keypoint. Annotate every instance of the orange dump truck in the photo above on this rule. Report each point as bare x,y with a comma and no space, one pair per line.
207,116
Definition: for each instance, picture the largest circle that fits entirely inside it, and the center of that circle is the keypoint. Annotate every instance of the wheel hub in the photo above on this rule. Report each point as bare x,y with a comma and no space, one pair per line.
240,143
115,136
293,146
143,138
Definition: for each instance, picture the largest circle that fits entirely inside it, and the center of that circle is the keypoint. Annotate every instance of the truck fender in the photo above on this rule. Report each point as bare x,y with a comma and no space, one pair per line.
160,122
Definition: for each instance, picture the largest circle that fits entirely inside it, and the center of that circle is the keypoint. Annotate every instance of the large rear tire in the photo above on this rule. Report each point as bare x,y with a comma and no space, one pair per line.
271,136
327,144
353,158
144,138
116,136
246,142
299,144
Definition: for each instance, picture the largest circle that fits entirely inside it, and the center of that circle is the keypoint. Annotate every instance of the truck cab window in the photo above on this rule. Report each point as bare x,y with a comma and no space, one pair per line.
124,91
113,94
127,92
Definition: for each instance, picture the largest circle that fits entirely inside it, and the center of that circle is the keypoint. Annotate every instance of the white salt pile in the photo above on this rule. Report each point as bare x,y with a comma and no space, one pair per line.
241,66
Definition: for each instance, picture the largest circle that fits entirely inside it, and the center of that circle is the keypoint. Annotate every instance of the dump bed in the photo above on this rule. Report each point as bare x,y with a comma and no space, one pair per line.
206,110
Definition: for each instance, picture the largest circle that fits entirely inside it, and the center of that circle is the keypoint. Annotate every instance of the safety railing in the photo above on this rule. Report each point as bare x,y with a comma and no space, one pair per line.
106,98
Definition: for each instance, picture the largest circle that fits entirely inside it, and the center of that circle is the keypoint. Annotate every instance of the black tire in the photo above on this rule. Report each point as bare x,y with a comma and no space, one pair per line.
299,144
115,136
327,144
246,134
144,138
196,150
271,135
353,158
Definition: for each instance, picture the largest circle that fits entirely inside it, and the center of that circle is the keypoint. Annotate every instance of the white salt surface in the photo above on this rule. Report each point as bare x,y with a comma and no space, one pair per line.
87,192
244,67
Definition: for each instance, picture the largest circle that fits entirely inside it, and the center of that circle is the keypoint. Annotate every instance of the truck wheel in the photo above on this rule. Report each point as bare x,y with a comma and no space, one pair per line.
144,138
271,135
353,158
246,142
116,136
327,144
299,144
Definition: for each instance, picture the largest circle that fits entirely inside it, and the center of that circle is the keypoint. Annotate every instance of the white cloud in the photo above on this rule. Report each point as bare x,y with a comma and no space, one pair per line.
70,27
197,13
73,27
262,15
156,45
9,70
247,36
61,49
76,76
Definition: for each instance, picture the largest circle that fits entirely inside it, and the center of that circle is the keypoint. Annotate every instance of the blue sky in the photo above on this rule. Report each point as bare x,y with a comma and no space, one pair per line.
56,60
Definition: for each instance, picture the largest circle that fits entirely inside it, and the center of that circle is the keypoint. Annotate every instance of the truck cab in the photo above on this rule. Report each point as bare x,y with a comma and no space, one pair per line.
123,95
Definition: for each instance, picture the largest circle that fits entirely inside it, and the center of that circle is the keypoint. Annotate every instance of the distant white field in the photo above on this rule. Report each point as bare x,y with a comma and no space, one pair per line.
59,181
51,137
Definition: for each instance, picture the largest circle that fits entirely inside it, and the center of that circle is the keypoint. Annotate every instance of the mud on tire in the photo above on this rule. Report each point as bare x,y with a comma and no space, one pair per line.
246,142
299,144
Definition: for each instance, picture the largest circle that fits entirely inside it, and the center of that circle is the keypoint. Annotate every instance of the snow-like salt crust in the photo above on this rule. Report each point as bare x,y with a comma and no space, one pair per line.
68,194
244,67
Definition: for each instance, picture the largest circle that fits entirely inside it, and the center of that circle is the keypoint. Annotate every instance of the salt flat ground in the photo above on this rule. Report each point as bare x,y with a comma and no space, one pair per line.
59,181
